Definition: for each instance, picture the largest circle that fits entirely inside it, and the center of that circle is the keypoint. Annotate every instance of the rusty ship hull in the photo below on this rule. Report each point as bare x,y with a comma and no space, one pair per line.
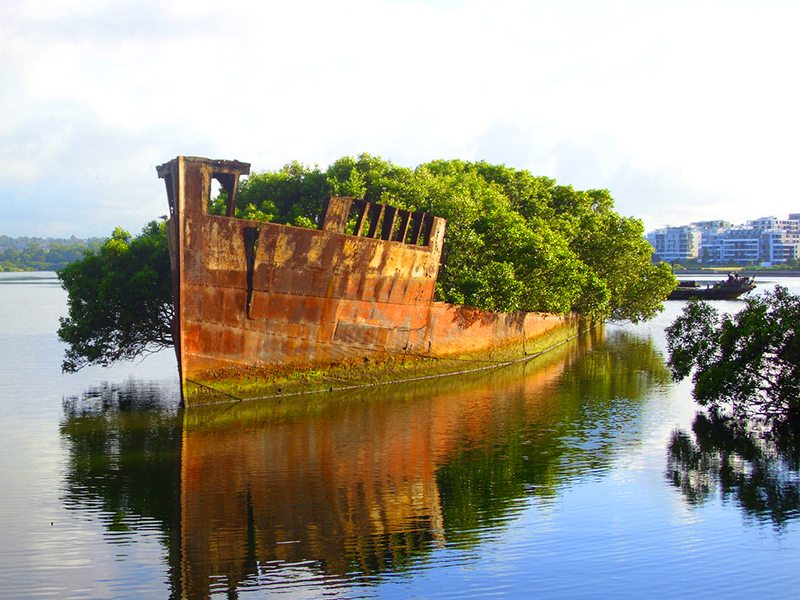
250,293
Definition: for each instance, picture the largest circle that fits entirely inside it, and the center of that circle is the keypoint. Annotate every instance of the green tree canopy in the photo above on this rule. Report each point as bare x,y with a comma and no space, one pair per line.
119,299
747,363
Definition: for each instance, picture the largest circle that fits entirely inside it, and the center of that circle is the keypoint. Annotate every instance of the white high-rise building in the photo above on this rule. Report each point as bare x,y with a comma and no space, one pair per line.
676,243
766,241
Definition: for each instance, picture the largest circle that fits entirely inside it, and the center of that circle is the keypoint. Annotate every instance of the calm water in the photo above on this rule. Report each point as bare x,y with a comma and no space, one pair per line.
578,474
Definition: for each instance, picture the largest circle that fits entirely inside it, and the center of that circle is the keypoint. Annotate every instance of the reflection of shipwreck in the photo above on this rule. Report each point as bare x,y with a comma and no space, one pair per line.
284,495
360,287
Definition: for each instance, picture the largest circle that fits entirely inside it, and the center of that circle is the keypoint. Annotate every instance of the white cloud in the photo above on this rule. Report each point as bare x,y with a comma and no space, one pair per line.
678,108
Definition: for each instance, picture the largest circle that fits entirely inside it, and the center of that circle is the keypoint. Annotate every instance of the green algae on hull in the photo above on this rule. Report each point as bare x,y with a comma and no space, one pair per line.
267,382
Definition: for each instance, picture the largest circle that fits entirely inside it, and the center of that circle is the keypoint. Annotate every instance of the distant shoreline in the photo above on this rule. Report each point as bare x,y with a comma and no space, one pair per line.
748,272
708,271
52,270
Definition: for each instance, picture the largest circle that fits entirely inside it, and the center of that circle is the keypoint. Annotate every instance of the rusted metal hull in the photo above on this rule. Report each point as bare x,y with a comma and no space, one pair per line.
250,293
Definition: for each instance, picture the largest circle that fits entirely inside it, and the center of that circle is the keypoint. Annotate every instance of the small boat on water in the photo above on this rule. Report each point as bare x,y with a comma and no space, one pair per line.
728,289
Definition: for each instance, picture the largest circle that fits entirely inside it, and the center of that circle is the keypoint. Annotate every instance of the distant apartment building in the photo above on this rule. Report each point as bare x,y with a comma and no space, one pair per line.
790,225
779,246
780,238
735,245
676,243
715,225
764,241
709,234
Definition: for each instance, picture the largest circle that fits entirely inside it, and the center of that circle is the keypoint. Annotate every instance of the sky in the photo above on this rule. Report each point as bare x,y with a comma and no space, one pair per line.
684,110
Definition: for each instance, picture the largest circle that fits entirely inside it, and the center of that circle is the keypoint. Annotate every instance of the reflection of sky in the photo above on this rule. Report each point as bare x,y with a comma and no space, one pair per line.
665,410
606,540
73,553
31,354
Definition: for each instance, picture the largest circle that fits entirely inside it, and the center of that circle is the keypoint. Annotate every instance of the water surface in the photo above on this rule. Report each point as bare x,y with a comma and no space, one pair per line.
577,474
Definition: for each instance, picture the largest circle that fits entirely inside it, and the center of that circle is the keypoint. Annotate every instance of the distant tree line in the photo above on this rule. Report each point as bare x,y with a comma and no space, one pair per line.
791,264
42,254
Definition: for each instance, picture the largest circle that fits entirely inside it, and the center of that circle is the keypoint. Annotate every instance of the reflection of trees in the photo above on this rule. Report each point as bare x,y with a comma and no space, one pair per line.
567,430
358,484
759,471
124,457
354,480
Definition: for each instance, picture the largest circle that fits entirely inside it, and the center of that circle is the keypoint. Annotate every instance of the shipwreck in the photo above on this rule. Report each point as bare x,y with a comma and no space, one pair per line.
258,303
